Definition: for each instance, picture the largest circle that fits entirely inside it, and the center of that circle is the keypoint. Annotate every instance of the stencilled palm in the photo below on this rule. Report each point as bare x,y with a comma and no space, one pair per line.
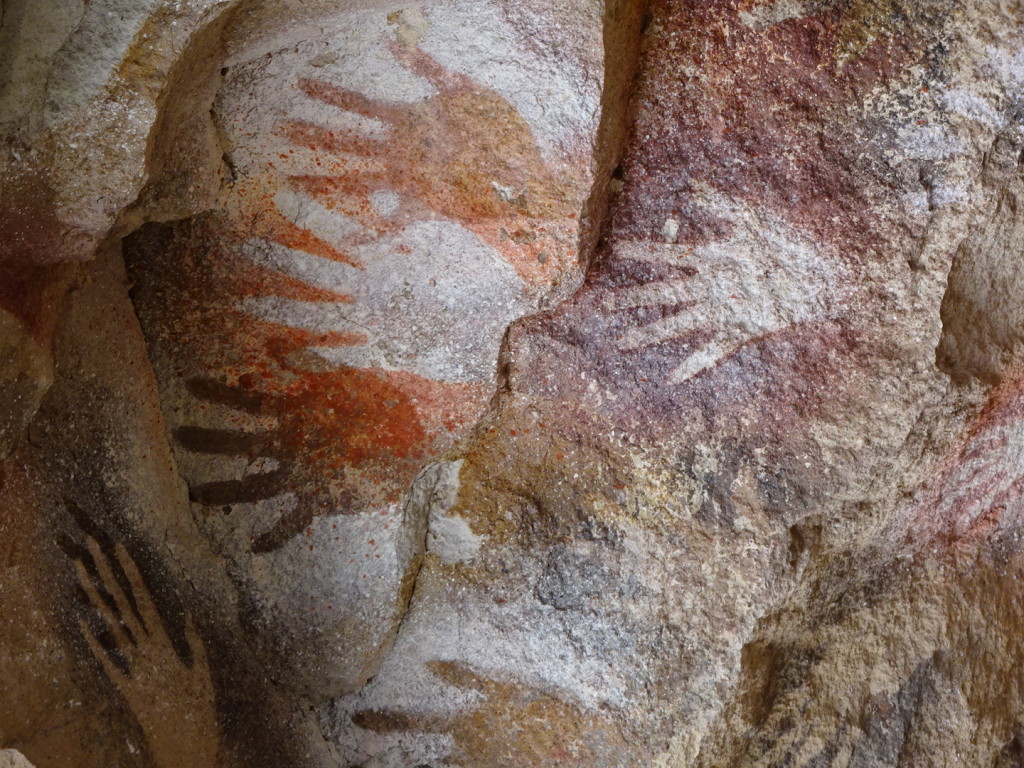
334,435
464,155
171,697
731,292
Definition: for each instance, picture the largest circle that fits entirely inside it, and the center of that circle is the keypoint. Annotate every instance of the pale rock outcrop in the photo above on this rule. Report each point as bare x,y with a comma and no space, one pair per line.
12,758
397,196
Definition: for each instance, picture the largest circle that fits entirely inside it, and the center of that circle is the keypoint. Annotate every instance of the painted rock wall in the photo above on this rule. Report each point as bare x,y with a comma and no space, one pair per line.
394,198
489,383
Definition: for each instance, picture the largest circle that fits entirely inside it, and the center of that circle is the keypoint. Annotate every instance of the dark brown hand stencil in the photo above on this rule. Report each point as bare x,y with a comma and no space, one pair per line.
514,725
327,425
172,698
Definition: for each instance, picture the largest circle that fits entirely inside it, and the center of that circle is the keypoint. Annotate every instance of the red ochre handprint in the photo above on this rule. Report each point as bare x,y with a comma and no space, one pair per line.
337,439
465,155
345,440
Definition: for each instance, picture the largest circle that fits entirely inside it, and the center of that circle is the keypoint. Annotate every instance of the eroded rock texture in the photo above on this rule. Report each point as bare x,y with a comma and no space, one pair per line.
488,383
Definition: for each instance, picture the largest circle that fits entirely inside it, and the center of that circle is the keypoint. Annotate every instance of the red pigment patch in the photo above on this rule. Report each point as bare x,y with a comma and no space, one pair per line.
766,118
344,438
1004,406
33,295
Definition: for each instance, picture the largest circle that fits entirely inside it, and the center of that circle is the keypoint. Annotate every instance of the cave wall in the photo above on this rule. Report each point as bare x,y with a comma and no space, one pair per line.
485,383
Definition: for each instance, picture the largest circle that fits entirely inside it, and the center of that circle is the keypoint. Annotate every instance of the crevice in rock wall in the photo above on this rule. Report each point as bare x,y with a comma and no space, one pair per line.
184,157
432,492
982,323
622,24
623,27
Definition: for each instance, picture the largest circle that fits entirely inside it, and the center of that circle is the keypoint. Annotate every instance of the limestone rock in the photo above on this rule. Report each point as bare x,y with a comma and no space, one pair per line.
489,383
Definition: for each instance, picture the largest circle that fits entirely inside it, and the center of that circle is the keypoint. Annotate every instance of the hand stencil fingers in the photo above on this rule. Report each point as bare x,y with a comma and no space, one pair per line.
703,358
350,195
313,150
144,604
416,60
106,608
392,721
658,331
125,601
200,660
307,134
662,293
278,228
112,670
284,530
114,611
245,490
348,100
173,701
230,442
214,391
461,676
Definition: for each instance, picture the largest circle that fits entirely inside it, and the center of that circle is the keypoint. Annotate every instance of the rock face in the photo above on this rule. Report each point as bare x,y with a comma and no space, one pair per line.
394,202
490,383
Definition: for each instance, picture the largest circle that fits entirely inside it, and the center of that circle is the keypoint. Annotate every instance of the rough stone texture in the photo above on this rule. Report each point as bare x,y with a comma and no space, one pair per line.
491,383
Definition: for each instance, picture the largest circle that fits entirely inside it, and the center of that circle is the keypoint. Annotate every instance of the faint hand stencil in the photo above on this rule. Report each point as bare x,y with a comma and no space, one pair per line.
732,291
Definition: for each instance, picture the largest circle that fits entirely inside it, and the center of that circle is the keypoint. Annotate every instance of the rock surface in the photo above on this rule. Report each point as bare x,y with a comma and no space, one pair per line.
491,383
12,758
